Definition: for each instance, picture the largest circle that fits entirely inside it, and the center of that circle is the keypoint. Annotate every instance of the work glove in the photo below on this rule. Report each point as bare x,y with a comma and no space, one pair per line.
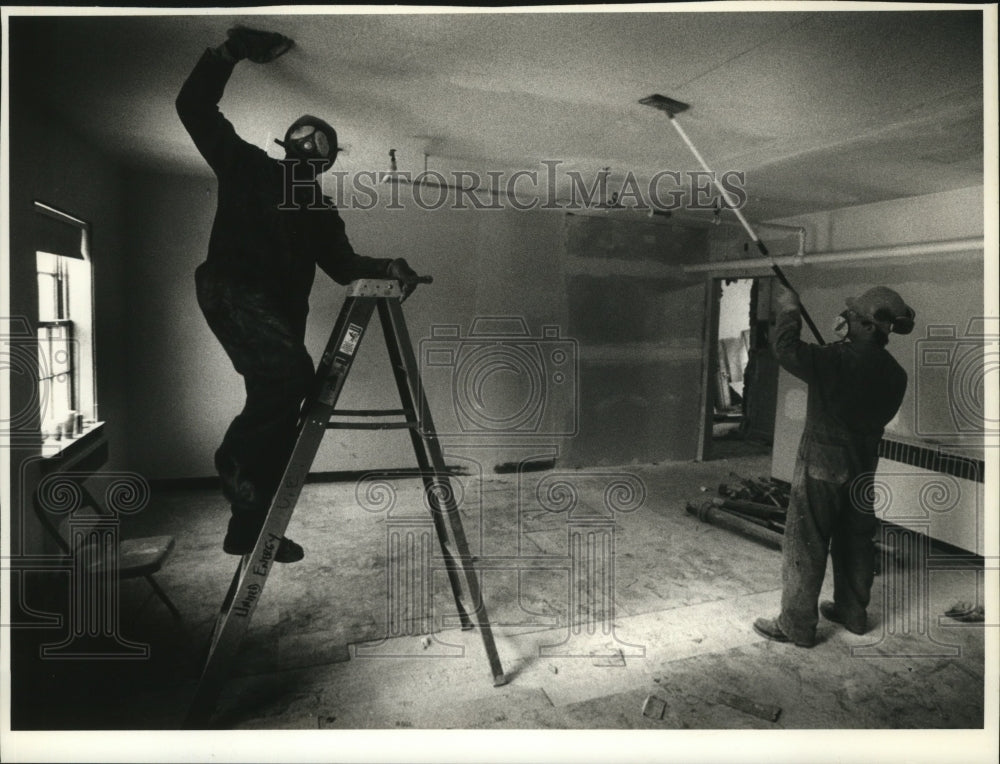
785,298
258,46
400,270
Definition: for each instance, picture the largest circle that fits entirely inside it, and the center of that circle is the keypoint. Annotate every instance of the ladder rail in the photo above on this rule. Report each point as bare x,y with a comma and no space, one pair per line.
448,508
254,569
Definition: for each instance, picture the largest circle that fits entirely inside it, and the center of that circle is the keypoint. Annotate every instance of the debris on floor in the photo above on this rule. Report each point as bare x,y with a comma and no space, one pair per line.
654,707
966,612
762,502
753,507
759,490
615,659
760,710
708,512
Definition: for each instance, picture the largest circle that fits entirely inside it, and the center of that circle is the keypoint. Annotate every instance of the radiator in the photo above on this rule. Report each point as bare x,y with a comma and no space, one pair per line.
933,491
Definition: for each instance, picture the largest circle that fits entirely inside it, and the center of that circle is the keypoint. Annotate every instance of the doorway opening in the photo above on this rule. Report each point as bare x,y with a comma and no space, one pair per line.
743,374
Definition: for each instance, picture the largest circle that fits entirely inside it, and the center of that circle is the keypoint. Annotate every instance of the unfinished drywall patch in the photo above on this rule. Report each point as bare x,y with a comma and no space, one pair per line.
640,411
623,310
625,237
639,329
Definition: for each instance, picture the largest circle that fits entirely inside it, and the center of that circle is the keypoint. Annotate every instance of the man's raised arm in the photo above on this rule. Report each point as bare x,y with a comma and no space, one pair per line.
198,101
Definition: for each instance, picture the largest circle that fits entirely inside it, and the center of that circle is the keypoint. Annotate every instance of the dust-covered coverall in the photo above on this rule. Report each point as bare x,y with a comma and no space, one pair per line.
855,389
254,288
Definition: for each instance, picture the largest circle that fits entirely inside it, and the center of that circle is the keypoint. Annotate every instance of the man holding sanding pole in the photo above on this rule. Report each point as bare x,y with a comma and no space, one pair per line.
855,389
272,227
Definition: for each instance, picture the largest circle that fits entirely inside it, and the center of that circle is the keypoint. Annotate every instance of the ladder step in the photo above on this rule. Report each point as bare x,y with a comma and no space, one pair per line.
372,412
371,425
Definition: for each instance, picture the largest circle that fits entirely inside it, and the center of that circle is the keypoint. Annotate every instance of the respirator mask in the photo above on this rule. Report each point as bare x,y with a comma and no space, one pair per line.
312,140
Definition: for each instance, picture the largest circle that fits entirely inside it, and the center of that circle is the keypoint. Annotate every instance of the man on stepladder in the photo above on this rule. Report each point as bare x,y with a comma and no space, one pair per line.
272,227
855,389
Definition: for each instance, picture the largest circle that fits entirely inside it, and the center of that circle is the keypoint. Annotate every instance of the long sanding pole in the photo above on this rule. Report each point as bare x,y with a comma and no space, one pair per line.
672,108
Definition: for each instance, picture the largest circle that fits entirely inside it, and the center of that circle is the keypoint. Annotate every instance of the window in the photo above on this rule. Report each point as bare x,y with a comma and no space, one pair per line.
66,380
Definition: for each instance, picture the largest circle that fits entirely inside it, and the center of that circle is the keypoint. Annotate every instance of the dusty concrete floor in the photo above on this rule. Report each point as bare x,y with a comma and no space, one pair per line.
660,637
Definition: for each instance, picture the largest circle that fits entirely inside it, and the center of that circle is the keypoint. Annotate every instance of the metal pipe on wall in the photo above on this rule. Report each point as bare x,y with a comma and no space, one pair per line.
950,246
798,230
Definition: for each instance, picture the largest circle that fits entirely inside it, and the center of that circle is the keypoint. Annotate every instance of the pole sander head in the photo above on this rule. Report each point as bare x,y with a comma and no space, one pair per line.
669,105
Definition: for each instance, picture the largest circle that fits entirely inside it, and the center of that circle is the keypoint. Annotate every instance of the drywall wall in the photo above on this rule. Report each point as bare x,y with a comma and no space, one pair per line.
181,385
521,339
185,392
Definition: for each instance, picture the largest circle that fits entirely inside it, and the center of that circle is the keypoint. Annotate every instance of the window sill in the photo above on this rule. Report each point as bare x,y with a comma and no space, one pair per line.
53,448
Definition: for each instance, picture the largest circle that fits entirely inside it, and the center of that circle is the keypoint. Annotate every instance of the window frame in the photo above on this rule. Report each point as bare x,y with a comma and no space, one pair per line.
80,361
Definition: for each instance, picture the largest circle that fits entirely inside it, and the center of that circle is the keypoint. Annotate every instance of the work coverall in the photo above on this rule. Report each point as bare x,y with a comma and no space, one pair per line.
254,287
855,389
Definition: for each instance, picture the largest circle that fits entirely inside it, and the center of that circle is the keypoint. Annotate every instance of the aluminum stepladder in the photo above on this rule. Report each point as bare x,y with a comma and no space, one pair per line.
364,296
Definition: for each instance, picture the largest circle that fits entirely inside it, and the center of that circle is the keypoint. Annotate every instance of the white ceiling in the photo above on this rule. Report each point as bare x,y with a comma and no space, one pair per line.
819,109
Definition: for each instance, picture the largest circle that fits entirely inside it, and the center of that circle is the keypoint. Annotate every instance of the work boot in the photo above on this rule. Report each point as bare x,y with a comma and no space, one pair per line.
768,628
241,538
831,612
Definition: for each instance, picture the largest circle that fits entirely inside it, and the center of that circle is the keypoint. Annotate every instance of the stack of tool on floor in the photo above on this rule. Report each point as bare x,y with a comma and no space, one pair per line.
754,507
